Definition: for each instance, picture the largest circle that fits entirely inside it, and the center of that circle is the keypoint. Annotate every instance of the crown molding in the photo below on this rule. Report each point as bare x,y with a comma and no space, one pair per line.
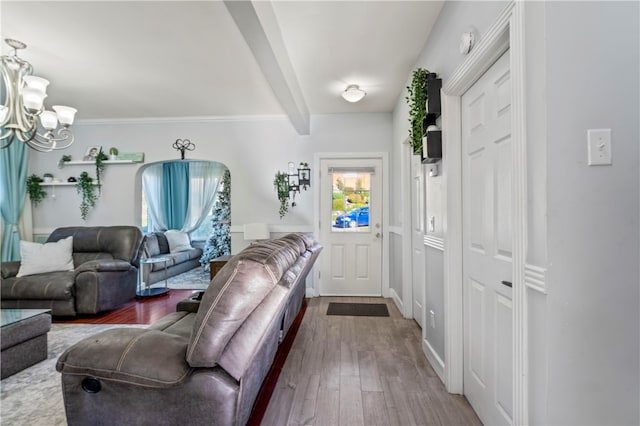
165,120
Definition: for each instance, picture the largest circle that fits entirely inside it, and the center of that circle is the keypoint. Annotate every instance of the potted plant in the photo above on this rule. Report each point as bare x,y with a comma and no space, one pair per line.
34,189
87,191
417,100
281,184
48,177
63,159
113,153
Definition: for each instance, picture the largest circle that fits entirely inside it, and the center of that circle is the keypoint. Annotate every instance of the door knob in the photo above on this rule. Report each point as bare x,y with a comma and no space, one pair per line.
378,235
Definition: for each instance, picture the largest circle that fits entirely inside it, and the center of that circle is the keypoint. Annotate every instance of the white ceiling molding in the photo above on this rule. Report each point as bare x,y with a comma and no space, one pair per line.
259,27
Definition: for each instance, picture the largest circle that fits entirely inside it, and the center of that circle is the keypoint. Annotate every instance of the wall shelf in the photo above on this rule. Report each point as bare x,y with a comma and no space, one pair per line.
61,183
76,163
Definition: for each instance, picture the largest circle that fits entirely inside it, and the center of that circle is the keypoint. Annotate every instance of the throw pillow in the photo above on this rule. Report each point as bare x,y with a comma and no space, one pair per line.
178,241
39,258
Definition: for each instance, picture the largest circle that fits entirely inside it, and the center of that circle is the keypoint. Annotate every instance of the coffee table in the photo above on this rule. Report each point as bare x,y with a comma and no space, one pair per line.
23,338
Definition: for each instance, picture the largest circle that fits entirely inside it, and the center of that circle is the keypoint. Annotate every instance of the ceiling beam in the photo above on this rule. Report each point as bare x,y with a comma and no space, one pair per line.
259,27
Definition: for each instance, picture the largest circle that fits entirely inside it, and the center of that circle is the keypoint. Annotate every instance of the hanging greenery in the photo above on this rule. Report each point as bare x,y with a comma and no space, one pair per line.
281,183
86,189
34,189
219,241
100,158
417,100
64,159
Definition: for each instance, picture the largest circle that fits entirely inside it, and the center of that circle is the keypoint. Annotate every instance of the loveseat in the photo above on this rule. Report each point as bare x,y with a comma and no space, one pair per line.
196,368
156,245
104,275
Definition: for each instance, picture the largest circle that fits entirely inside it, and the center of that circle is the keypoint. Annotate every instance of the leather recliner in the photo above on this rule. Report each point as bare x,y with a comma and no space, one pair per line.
106,261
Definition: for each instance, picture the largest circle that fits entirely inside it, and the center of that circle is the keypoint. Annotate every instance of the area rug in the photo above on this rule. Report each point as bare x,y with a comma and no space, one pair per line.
195,279
358,309
34,396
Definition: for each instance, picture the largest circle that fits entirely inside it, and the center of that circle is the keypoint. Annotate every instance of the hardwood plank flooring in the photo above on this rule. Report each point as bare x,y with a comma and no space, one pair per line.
137,311
339,371
351,371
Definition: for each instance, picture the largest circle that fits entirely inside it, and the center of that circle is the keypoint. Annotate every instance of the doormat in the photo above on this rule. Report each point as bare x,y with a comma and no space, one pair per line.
358,309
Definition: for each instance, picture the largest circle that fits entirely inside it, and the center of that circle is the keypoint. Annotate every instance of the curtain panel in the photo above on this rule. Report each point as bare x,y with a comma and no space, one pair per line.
13,189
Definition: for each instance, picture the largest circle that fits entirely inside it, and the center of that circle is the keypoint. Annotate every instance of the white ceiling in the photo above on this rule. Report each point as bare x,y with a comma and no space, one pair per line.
116,59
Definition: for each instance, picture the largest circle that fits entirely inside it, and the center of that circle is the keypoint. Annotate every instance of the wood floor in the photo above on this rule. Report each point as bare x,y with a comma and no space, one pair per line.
340,370
361,371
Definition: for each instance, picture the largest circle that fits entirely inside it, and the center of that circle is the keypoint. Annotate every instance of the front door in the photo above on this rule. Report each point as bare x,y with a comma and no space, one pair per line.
487,244
351,227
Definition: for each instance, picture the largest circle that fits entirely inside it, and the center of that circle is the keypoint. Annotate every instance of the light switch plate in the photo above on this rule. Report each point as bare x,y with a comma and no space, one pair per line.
599,147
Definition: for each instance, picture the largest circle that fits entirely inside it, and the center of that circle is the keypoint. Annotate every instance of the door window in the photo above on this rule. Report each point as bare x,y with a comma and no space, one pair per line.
351,193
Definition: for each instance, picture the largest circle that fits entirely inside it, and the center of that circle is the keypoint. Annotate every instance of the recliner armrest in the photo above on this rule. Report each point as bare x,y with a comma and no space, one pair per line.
9,269
137,356
103,266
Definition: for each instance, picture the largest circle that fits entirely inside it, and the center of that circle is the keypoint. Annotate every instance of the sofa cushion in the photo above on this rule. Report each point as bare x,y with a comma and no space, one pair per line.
120,242
51,286
178,241
163,244
129,355
151,247
39,258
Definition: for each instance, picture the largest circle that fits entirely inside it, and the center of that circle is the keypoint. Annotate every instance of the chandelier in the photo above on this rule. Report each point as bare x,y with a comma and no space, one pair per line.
22,104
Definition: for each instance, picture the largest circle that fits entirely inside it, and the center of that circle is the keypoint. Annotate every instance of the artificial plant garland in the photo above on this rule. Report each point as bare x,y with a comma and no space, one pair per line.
86,189
417,100
281,183
100,157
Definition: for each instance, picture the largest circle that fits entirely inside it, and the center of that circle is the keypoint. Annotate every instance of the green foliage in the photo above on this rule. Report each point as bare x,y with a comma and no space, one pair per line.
281,183
417,100
219,242
338,196
113,151
100,157
340,184
338,204
86,189
34,189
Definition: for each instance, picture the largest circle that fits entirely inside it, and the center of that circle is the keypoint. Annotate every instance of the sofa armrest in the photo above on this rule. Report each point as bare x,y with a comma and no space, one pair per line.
136,356
112,265
9,269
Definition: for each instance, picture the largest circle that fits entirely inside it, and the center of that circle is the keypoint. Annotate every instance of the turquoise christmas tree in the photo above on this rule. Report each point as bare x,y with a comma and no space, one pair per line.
219,242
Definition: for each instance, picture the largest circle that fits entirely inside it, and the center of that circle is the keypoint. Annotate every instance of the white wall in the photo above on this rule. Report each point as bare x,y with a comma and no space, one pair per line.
583,222
253,149
440,55
593,322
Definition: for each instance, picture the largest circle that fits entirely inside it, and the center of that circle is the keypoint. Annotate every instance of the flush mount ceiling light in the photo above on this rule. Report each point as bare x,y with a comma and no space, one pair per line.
353,93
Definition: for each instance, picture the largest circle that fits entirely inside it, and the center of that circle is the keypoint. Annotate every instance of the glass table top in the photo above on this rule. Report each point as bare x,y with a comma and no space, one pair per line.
11,316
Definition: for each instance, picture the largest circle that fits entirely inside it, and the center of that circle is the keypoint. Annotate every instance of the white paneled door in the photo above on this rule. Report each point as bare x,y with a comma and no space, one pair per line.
417,238
487,244
351,227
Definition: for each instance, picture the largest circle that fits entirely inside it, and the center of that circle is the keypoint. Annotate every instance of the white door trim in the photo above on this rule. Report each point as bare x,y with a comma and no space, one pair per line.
317,157
507,32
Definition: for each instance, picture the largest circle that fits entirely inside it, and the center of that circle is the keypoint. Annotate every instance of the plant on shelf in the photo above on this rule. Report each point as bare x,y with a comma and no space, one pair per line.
86,189
62,160
417,100
100,158
281,183
48,177
113,153
34,189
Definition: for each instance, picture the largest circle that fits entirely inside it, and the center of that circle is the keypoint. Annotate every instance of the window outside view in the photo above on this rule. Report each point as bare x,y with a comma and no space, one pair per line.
351,195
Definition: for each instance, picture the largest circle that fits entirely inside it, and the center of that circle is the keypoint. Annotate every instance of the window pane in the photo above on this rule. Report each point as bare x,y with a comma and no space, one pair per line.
351,192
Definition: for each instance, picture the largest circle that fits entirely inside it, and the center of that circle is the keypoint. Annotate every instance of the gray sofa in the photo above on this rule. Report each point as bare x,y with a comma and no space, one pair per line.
156,245
105,274
197,368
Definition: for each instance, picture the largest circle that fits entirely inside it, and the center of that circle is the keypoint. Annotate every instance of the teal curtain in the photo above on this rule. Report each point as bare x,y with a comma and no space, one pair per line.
13,189
175,189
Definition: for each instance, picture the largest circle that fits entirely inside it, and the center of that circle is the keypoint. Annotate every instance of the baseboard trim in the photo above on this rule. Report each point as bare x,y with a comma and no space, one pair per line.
397,300
436,362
